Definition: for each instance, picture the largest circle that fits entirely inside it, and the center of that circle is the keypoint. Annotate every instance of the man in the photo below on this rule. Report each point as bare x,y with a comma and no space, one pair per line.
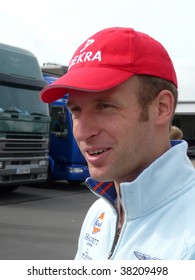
175,133
122,95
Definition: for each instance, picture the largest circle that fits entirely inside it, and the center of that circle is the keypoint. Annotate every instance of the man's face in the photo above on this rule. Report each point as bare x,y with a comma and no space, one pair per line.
108,130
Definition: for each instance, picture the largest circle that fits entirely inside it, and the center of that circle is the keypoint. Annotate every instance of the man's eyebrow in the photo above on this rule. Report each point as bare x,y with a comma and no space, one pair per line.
96,100
70,104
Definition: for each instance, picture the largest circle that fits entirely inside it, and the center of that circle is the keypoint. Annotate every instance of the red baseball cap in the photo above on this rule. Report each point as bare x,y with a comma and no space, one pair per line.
109,58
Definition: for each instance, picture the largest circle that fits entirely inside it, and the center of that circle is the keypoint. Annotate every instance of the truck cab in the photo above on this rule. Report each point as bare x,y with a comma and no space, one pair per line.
66,162
24,118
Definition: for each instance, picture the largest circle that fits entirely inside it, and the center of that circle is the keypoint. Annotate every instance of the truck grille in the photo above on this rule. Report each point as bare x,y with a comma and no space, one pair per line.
23,145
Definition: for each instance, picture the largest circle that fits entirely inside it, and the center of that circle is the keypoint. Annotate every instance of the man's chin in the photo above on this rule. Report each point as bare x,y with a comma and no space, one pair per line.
99,176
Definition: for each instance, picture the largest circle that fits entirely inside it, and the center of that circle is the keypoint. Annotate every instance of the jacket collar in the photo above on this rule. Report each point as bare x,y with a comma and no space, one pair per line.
104,189
155,186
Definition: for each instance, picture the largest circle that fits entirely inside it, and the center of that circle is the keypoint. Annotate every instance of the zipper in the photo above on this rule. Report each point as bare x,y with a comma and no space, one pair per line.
117,218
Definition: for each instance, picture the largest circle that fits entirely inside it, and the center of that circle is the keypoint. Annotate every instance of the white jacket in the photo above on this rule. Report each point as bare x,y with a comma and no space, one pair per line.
159,214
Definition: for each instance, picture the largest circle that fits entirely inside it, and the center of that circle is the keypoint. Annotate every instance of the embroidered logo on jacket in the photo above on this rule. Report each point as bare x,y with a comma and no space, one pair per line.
98,223
142,256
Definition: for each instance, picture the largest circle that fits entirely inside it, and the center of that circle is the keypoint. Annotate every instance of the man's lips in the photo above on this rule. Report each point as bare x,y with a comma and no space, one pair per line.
96,156
97,152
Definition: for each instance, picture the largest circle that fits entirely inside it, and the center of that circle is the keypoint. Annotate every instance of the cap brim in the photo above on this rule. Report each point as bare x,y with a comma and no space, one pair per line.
84,79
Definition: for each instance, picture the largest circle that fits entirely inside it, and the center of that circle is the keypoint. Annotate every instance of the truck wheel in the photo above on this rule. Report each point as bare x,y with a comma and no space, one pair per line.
49,181
74,182
8,189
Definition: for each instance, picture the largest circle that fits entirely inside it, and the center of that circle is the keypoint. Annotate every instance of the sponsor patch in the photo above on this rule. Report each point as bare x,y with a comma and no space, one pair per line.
142,256
98,223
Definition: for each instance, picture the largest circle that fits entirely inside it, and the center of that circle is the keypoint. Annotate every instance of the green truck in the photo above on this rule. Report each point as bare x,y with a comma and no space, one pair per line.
24,120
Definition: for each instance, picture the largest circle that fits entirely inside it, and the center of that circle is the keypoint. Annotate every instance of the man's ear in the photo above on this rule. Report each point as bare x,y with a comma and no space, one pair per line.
164,106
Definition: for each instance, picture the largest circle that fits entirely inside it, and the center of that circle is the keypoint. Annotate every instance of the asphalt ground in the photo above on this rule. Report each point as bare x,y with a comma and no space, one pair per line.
39,223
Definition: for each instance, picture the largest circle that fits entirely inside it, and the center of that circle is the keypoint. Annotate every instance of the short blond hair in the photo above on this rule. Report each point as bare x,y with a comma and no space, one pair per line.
175,133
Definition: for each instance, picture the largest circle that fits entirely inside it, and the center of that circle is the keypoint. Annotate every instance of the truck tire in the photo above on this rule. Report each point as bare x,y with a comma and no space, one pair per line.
8,189
49,181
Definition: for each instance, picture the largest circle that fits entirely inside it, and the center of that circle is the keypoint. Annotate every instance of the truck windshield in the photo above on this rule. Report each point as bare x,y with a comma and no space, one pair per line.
22,100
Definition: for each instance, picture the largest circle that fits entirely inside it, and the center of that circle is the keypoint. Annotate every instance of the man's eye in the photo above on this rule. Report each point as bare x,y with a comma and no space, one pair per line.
105,106
75,110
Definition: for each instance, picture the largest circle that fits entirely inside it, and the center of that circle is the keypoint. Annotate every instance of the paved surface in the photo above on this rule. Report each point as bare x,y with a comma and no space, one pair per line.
42,223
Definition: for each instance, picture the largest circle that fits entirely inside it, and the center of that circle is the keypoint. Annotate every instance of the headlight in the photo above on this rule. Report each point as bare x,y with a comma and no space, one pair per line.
75,170
43,163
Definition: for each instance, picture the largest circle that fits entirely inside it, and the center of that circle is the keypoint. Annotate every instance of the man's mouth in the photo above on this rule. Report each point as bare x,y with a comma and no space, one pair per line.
97,152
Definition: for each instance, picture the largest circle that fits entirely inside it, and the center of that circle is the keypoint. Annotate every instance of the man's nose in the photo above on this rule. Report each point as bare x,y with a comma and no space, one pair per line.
86,127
